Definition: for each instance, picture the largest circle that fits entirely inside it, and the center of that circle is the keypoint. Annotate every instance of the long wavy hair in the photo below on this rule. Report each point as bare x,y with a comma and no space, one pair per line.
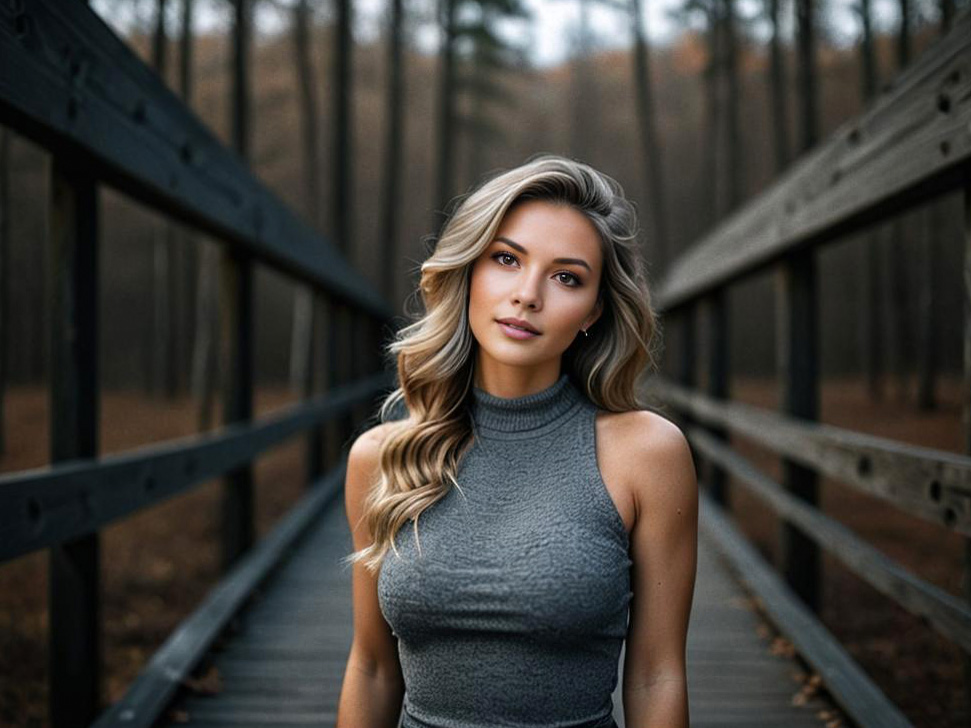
420,454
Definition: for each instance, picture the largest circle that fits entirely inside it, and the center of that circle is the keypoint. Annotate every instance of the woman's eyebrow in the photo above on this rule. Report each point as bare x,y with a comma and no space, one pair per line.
521,249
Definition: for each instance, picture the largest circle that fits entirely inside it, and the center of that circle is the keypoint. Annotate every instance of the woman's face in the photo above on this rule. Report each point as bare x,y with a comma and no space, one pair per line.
543,267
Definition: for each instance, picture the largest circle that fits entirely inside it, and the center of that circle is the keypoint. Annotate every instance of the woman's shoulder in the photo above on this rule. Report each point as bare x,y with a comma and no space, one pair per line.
646,450
641,429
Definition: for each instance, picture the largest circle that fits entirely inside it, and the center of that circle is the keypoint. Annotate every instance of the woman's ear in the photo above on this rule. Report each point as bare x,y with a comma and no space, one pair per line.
598,309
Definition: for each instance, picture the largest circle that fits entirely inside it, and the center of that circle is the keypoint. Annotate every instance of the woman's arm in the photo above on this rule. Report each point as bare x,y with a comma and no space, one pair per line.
664,550
373,687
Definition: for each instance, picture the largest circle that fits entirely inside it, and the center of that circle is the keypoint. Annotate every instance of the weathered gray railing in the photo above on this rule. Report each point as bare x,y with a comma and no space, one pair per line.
911,146
68,83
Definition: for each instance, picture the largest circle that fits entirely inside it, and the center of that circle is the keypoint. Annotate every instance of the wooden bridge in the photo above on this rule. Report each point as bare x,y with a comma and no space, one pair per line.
268,645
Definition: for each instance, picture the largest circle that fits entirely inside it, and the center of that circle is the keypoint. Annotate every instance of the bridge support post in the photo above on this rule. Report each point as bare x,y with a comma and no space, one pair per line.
312,386
799,380
74,590
236,308
718,373
967,396
688,359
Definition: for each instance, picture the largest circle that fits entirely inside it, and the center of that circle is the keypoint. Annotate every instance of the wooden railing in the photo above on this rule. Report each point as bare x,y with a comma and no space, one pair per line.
68,83
912,146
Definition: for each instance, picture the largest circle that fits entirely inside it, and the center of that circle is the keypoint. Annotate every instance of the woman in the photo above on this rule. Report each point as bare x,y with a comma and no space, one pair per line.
553,504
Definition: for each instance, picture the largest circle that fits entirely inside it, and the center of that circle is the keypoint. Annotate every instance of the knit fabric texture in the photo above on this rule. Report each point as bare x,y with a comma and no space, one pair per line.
515,610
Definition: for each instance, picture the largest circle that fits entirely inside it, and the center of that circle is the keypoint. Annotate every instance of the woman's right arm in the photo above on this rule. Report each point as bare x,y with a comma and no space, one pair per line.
373,686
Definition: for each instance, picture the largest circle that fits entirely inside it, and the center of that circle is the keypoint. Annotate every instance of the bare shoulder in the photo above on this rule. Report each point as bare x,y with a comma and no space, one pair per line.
362,462
368,443
654,457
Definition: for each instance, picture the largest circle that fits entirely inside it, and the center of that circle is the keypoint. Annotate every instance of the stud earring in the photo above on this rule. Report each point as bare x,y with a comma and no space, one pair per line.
585,332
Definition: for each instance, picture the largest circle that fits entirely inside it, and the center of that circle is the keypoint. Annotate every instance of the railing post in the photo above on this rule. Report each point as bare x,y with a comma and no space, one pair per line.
237,366
717,304
799,380
74,600
311,387
347,362
688,360
967,396
332,353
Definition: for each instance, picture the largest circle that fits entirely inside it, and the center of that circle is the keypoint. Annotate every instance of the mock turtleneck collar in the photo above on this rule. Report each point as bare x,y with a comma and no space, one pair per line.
526,414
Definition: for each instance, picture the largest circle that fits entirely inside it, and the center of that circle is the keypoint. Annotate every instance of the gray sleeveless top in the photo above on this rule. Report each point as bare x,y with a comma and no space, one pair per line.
515,611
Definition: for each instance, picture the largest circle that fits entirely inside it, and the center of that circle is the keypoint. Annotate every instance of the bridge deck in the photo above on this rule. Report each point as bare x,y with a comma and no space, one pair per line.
285,665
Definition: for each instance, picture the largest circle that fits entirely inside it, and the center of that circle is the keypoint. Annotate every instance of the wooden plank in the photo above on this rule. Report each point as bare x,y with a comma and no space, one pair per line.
46,506
947,614
846,682
152,690
911,145
932,484
70,84
74,643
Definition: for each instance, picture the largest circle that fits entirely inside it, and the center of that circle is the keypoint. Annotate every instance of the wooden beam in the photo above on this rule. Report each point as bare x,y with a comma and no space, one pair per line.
152,691
46,506
70,84
911,145
852,688
945,613
932,484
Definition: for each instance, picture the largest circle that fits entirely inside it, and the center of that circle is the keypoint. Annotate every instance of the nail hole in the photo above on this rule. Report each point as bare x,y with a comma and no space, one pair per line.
935,491
864,466
950,517
943,103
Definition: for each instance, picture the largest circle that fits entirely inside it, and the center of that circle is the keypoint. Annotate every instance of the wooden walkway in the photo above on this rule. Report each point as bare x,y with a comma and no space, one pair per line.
284,666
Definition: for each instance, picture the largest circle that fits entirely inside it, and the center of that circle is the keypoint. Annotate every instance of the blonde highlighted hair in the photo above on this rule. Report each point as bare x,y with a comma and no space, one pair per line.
435,354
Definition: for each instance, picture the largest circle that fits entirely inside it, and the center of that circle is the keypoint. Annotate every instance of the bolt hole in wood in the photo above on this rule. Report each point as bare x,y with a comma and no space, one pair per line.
950,517
943,103
864,467
935,491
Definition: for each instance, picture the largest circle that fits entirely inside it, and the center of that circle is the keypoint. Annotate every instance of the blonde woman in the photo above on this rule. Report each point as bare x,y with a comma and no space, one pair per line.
526,513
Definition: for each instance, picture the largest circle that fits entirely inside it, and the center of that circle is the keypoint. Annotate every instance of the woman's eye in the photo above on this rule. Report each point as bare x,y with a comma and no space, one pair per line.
571,279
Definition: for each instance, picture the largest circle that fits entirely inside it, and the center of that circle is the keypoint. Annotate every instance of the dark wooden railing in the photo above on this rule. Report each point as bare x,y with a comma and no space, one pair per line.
912,146
68,83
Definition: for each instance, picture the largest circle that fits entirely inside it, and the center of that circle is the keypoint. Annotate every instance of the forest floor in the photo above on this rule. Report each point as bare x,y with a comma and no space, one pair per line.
158,565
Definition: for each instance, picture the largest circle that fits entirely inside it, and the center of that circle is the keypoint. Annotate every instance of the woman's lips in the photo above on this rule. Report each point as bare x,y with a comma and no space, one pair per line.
514,333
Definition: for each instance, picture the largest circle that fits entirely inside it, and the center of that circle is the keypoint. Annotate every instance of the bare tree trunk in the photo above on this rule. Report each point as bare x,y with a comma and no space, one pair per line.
393,147
929,321
302,327
900,338
446,127
341,148
713,114
777,92
162,333
806,32
187,245
734,142
871,339
200,255
5,246
650,146
204,362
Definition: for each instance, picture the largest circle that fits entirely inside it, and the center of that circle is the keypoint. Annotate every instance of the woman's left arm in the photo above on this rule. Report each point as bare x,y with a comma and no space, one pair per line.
664,551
